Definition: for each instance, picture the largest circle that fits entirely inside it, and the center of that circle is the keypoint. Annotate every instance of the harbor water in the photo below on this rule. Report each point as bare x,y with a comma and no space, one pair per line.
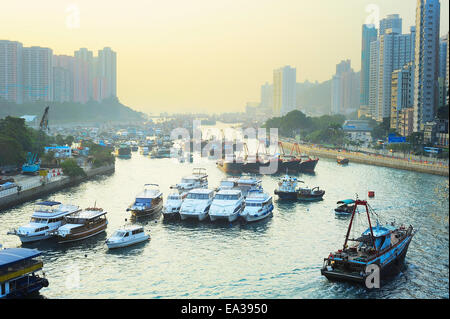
279,257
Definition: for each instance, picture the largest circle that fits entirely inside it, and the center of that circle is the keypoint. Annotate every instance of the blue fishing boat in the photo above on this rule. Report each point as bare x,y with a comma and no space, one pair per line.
383,247
19,268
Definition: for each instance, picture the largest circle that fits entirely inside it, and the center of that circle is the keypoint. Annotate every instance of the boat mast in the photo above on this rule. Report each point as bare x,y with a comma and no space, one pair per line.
350,225
363,203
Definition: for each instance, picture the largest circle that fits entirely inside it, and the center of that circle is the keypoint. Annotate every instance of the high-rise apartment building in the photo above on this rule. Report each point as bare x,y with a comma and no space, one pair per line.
11,73
393,22
369,34
106,73
345,89
266,96
426,70
401,92
37,74
284,90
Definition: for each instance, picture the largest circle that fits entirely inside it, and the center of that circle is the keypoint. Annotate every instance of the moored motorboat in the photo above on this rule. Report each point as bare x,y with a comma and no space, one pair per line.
382,247
87,223
172,205
198,179
148,202
21,272
196,204
258,205
47,217
307,164
245,183
124,151
227,204
127,236
309,194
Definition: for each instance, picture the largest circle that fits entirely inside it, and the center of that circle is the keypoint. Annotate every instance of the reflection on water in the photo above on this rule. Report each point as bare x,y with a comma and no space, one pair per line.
279,257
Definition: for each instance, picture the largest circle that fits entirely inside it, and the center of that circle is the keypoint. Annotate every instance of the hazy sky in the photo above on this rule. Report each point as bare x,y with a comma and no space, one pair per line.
203,55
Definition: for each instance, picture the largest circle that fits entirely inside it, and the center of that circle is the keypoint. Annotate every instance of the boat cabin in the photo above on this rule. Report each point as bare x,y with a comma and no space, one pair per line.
346,206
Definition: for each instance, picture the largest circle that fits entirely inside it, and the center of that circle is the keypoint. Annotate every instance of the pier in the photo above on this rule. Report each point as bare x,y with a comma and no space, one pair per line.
374,159
32,187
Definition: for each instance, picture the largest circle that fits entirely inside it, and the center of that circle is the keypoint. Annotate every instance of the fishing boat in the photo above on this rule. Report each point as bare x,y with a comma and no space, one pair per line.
196,204
307,164
87,223
198,179
124,151
148,202
231,166
345,207
258,205
160,152
47,217
342,160
21,272
173,205
383,247
287,188
309,194
128,236
227,204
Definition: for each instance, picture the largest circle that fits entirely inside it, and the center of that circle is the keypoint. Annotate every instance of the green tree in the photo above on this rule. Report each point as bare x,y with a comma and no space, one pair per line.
71,168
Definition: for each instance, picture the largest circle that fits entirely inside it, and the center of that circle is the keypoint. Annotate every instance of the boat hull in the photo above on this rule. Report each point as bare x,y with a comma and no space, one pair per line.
254,218
112,245
286,195
230,167
308,166
31,239
83,234
146,212
199,217
29,286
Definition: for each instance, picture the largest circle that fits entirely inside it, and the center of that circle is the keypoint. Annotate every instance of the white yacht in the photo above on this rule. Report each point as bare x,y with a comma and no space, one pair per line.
228,183
127,236
173,205
258,205
196,204
227,204
246,183
198,179
47,217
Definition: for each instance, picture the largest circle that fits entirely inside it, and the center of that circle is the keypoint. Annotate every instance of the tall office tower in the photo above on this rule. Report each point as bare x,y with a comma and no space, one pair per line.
401,92
87,56
106,72
395,51
266,96
37,74
426,70
284,90
393,22
345,87
11,76
369,34
373,77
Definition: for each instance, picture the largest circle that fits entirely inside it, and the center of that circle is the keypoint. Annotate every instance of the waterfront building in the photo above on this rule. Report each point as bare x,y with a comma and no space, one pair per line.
426,70
395,50
11,74
284,90
369,34
37,74
406,121
401,92
358,131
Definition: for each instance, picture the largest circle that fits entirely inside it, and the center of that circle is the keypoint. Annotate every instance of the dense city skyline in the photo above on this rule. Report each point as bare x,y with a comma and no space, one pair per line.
164,48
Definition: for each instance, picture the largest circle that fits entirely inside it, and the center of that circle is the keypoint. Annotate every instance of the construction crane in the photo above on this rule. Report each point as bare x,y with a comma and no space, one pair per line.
44,121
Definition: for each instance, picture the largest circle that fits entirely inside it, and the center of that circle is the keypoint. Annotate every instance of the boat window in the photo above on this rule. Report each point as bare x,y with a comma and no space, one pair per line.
197,196
226,197
174,197
126,235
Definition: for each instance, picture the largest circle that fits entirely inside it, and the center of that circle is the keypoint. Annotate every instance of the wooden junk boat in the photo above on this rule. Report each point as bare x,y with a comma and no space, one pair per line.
148,202
383,246
82,225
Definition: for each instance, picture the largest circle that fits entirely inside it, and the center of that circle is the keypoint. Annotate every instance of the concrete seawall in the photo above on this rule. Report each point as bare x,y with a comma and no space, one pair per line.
50,187
378,160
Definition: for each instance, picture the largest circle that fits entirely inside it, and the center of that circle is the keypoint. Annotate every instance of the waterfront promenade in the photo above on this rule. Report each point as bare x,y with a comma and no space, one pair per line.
32,187
424,166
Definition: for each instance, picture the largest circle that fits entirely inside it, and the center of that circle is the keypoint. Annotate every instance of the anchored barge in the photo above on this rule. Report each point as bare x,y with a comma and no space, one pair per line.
383,246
